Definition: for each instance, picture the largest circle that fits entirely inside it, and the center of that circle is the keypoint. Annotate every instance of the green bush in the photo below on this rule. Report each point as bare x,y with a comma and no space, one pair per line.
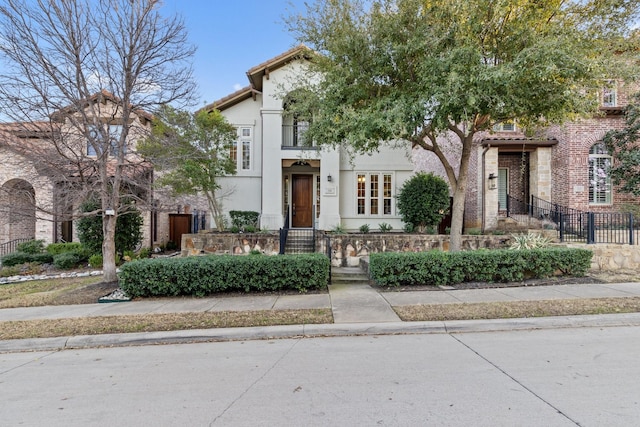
384,227
244,220
67,260
128,228
31,247
364,228
145,253
16,258
43,258
58,248
205,275
502,265
423,201
9,271
95,261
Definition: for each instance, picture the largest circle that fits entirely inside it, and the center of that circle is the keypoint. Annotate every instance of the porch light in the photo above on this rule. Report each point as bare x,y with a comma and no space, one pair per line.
493,181
329,178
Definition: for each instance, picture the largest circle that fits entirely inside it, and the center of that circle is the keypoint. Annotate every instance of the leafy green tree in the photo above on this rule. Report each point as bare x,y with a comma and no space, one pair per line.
128,228
425,71
624,147
423,200
193,151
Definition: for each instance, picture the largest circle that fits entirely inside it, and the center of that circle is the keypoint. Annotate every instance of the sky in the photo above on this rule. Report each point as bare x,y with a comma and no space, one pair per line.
231,37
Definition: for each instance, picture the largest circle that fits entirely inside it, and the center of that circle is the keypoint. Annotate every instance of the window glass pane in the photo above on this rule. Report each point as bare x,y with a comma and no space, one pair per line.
246,155
233,151
599,179
361,194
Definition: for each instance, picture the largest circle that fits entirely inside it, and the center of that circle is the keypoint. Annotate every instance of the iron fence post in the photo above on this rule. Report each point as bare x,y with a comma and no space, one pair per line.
631,229
591,232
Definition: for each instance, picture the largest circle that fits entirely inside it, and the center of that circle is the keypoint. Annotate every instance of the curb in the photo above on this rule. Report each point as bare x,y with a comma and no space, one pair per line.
318,331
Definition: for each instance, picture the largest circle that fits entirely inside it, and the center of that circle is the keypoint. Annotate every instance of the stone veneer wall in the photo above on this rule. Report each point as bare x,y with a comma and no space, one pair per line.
349,249
346,249
612,257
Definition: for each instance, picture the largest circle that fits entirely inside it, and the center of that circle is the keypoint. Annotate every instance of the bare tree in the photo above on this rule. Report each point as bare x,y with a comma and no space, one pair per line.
80,75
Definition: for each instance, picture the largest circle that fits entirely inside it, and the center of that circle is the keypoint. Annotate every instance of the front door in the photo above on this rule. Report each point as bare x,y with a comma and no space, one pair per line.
179,224
301,201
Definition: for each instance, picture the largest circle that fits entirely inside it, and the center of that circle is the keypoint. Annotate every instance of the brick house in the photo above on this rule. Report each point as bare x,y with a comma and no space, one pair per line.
563,165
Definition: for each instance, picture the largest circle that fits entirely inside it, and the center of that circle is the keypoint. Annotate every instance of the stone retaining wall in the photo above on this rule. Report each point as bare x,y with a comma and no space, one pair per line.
612,257
349,249
346,249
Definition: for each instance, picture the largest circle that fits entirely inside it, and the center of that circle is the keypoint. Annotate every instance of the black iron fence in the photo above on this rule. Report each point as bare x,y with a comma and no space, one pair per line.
596,227
574,225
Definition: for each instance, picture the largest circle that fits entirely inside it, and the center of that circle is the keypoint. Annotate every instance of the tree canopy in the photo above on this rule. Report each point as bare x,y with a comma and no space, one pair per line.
192,151
414,70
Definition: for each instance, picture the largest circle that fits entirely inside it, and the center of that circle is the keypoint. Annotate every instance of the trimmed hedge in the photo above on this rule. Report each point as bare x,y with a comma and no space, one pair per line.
200,276
501,265
59,248
17,258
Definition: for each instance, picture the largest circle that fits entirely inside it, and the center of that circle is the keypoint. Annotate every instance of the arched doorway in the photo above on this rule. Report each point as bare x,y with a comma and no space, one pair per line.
17,210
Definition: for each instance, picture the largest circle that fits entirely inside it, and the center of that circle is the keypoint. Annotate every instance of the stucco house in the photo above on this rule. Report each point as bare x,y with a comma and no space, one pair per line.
290,180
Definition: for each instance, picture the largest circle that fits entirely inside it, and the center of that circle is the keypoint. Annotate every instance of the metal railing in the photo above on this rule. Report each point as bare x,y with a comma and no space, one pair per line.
574,225
297,240
599,227
11,246
293,136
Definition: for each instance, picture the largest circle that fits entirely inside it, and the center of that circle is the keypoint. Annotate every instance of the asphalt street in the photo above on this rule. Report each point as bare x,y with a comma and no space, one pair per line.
549,377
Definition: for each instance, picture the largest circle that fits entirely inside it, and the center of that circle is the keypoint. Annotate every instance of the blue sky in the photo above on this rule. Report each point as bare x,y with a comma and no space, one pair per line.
231,37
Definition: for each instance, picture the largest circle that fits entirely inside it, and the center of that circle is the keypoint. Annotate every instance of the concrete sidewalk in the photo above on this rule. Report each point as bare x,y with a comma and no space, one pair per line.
351,303
357,308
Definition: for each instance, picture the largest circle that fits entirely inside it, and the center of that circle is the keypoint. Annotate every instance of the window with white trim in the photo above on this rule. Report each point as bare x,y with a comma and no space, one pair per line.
599,177
241,150
506,126
374,193
610,94
115,131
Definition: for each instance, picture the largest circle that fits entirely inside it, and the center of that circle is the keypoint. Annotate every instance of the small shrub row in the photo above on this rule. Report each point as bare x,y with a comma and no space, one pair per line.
200,276
61,255
502,265
58,248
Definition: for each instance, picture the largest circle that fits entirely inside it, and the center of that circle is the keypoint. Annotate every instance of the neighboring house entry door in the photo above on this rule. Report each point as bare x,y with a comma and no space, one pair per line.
301,201
179,224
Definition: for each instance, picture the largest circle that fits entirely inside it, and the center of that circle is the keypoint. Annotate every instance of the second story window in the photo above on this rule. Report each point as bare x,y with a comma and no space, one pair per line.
114,133
240,151
506,126
610,94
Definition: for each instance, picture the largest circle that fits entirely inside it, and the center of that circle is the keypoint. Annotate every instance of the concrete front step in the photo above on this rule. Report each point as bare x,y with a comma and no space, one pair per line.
348,275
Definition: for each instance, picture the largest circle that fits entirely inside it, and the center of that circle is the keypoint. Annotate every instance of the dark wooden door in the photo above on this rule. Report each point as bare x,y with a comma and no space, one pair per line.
301,203
179,224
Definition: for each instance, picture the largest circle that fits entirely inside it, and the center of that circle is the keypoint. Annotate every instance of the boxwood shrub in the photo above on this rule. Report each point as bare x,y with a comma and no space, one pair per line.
501,265
200,276
58,248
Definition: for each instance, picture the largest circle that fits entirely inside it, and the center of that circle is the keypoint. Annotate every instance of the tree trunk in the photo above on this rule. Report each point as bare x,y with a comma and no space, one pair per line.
459,196
109,248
